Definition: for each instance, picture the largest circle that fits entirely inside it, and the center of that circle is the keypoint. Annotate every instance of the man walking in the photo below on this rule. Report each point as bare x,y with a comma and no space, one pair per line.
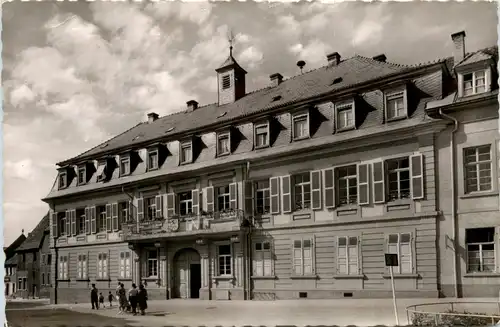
94,297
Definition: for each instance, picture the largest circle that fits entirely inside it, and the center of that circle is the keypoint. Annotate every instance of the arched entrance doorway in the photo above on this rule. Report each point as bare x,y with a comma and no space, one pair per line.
187,274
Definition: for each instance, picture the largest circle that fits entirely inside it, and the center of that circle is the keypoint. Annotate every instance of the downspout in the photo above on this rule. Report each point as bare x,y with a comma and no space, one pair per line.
248,245
453,198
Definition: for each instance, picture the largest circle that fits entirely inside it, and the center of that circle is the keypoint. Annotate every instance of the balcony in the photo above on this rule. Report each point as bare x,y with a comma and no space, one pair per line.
205,223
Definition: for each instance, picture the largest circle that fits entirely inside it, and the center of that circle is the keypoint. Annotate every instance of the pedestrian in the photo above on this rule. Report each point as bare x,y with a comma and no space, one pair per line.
142,299
110,299
122,296
132,297
101,300
93,298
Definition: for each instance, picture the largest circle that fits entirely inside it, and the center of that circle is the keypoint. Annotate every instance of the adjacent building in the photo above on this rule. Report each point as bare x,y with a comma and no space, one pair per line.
10,265
296,190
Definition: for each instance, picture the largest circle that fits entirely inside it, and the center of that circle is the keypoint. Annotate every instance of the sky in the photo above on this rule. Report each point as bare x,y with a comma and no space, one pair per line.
76,74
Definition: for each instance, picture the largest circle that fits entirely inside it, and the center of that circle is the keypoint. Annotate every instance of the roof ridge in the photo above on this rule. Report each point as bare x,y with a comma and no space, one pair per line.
380,63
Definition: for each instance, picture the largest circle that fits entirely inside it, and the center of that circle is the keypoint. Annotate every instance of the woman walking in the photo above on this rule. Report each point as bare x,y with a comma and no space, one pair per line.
132,297
122,298
142,299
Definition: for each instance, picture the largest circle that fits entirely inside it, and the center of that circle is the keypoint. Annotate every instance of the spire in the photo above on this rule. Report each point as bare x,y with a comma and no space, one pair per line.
22,231
230,61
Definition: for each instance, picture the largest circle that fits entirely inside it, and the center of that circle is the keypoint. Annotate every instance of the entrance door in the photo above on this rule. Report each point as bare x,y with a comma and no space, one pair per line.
183,262
195,276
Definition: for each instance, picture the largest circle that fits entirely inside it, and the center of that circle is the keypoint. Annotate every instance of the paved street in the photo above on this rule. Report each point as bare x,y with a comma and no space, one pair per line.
342,312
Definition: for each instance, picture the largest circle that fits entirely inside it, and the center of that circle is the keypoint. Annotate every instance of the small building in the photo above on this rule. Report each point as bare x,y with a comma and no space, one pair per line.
10,279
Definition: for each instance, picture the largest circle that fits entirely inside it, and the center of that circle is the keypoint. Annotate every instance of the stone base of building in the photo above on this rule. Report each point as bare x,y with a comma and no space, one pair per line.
476,290
271,295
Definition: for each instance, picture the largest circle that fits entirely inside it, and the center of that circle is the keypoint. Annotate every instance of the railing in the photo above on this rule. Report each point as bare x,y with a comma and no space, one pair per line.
447,315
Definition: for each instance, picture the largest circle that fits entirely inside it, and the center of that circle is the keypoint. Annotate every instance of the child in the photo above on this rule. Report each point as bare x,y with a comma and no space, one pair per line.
110,298
101,300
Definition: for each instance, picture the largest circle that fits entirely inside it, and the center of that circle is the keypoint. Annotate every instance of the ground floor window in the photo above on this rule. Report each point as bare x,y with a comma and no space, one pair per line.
262,259
63,267
82,267
225,260
102,266
302,257
152,264
125,264
480,244
347,255
400,244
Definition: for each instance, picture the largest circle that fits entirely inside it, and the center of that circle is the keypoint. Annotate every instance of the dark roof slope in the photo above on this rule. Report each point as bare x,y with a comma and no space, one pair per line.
10,250
35,238
349,73
11,261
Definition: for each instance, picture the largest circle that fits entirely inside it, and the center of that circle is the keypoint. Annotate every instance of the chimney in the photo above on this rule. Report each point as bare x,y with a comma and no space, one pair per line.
192,105
381,57
459,43
333,59
276,79
152,116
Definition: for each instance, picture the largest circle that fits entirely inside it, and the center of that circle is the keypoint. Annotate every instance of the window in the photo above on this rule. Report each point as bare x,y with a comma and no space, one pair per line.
225,260
24,257
122,213
300,127
25,283
399,178
63,267
481,249
400,244
48,279
81,271
474,83
262,199
101,171
261,135
478,168
20,284
347,185
152,264
302,257
302,188
125,265
34,256
186,152
226,82
80,215
62,224
345,116
102,266
49,259
152,159
223,198
262,259
101,223
43,279
124,166
63,179
81,175
150,208
395,105
347,256
185,203
223,144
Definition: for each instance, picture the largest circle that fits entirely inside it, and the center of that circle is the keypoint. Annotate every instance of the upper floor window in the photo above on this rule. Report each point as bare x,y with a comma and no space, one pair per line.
261,135
62,223
101,216
481,245
300,126
101,171
123,213
223,198
63,179
478,168
347,185
474,83
395,105
226,82
124,166
262,199
345,116
186,155
185,203
223,144
302,191
398,171
150,204
34,256
80,216
81,175
152,159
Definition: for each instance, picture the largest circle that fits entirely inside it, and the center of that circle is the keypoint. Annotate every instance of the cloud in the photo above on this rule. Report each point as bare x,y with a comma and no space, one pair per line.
22,169
313,53
21,95
371,29
252,56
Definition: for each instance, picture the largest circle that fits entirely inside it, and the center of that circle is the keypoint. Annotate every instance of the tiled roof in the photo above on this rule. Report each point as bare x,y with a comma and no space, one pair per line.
35,238
11,261
480,55
10,250
349,73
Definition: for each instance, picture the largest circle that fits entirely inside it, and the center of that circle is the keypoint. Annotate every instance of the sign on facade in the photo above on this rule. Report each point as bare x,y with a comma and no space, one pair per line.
391,260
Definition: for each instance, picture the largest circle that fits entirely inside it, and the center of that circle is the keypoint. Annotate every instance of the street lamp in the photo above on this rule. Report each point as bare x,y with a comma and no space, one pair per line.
200,241
157,244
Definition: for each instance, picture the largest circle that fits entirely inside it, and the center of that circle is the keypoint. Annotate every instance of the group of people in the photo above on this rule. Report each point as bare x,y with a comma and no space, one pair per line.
137,298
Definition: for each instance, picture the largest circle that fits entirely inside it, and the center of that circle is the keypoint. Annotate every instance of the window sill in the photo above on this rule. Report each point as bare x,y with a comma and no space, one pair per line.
304,277
300,138
151,278
349,276
396,119
185,163
64,280
263,277
399,202
223,154
479,194
216,278
482,274
83,280
151,169
124,279
401,276
262,147
345,129
103,279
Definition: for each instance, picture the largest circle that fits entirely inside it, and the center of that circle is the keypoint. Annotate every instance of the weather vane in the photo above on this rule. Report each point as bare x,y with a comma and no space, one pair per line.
231,41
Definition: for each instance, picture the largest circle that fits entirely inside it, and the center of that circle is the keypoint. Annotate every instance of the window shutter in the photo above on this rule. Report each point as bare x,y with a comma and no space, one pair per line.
114,216
87,220
170,205
209,195
233,196
363,182
140,209
274,195
329,187
286,196
108,217
316,190
417,176
249,198
68,223
378,182
54,224
73,222
93,221
195,196
159,206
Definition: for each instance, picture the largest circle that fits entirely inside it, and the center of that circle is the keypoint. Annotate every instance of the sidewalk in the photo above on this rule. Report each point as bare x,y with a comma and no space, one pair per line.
341,312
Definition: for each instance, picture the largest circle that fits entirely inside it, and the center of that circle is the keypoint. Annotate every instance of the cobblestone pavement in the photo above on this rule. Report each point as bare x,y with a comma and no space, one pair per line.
342,312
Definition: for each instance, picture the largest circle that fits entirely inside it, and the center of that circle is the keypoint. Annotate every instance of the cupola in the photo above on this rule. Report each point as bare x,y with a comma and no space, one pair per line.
230,80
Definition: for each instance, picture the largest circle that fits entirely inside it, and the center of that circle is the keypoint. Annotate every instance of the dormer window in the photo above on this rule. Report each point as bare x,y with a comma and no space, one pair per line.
152,159
186,152
345,116
395,105
226,82
261,135
82,175
300,126
124,166
63,180
101,171
474,83
223,144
